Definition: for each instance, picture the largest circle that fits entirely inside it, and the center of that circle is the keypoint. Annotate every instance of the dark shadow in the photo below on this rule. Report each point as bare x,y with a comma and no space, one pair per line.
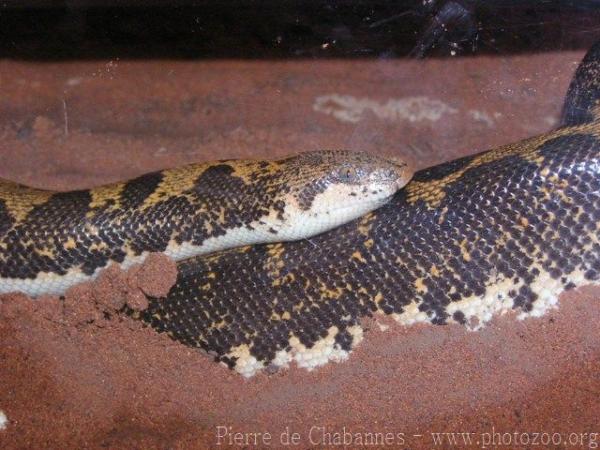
274,29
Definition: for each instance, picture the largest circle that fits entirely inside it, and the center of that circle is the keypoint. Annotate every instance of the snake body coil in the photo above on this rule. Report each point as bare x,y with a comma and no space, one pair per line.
52,240
508,229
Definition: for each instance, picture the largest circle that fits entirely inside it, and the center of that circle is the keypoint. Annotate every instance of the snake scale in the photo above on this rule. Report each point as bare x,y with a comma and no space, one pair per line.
507,229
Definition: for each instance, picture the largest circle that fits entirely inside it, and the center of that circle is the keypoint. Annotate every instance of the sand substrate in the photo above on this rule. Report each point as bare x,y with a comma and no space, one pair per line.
75,373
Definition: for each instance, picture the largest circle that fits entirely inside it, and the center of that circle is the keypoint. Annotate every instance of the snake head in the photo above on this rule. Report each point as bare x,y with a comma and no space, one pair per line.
330,187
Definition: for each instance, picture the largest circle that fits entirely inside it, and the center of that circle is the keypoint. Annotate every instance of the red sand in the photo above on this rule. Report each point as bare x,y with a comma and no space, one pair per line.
77,375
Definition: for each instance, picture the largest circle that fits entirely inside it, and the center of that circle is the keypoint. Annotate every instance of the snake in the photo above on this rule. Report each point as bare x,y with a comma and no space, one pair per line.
50,241
502,231
505,230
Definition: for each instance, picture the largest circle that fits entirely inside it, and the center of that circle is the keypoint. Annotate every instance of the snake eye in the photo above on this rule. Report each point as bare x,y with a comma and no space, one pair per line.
348,174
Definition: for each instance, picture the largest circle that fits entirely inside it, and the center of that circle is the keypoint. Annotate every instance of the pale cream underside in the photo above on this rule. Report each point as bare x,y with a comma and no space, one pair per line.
478,310
324,215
